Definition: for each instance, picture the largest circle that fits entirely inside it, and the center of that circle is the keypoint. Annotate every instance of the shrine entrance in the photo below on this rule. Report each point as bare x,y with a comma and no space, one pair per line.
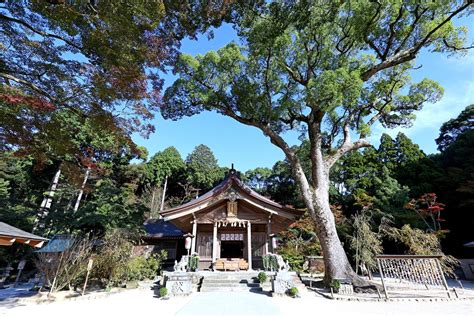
231,226
232,249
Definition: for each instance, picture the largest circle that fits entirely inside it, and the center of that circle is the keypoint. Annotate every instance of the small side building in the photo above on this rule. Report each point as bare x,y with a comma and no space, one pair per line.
163,235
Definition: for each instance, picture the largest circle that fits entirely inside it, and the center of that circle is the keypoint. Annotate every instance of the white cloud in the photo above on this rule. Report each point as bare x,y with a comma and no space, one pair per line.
432,116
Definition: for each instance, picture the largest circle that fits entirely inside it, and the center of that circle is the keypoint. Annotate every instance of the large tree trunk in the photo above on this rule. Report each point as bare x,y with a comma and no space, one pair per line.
316,199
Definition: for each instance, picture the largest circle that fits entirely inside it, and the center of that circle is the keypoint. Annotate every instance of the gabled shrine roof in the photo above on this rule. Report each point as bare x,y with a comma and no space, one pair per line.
215,195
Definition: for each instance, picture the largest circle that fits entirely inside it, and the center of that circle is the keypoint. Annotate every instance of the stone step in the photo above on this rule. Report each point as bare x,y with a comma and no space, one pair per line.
223,284
231,280
230,289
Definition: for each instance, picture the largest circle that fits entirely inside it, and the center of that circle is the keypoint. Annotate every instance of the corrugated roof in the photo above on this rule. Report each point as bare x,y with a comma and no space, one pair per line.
58,243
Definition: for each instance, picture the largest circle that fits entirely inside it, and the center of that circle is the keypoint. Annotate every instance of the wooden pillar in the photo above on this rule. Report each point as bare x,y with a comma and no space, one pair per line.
214,244
193,242
249,244
268,241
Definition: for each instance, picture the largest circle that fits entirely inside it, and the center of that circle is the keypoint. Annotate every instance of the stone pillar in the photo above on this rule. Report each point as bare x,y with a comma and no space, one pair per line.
193,243
249,244
214,244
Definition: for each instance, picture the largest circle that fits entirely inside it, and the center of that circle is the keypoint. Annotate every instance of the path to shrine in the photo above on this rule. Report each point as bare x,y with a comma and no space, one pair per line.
143,302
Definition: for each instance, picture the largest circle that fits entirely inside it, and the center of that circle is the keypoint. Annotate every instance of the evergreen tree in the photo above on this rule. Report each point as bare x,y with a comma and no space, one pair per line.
202,169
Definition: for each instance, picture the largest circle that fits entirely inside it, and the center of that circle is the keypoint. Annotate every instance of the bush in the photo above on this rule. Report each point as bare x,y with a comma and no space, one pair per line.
262,277
335,285
270,263
139,268
293,292
163,292
193,263
114,264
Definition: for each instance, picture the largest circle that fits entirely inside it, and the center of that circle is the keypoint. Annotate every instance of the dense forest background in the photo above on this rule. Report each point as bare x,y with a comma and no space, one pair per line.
120,186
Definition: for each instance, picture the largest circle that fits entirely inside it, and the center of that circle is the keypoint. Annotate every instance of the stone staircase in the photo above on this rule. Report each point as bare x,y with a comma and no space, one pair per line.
230,282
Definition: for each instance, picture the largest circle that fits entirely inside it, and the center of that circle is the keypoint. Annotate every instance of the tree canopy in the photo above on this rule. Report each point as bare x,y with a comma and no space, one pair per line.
98,61
450,130
330,70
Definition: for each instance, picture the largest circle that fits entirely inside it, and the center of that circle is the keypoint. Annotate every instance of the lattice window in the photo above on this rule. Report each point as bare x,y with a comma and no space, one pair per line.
204,245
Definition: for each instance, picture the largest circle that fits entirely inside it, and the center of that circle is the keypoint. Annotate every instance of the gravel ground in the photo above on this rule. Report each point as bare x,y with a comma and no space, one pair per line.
143,302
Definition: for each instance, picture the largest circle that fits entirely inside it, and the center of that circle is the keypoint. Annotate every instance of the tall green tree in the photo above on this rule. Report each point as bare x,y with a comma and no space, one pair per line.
258,178
163,171
332,69
202,169
387,152
450,130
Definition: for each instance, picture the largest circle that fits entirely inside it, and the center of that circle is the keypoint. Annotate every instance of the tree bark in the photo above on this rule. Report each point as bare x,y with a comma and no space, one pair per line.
81,191
163,196
336,264
47,200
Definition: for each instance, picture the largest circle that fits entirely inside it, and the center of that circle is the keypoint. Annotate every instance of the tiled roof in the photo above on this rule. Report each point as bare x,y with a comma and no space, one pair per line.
160,228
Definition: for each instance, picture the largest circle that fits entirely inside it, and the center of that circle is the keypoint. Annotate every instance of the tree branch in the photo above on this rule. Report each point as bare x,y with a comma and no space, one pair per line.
346,146
30,85
410,54
45,34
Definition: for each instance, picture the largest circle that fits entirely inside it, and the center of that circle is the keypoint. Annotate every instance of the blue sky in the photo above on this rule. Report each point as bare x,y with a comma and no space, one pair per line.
248,148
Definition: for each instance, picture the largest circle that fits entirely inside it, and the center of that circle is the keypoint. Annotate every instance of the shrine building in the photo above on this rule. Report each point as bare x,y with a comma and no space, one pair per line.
231,226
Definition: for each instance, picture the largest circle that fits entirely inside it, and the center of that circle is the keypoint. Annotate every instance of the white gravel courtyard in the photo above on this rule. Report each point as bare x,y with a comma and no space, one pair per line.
143,302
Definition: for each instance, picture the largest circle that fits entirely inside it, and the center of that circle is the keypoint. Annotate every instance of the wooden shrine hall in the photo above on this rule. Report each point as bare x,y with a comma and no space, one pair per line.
232,226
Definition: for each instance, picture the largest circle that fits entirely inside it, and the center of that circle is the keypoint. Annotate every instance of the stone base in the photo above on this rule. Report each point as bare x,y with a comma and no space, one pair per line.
179,283
282,282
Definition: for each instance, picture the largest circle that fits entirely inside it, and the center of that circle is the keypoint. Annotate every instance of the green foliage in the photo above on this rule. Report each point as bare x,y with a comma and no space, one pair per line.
270,263
451,130
139,268
167,163
111,207
365,243
193,263
86,58
335,285
262,277
163,292
202,169
418,242
293,292
257,178
114,264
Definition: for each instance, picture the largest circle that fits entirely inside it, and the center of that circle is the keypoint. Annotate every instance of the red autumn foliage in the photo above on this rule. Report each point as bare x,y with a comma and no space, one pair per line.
36,103
428,208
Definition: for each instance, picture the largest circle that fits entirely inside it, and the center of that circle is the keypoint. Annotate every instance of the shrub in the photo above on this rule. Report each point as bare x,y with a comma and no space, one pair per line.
139,268
262,277
266,263
293,292
193,263
163,292
114,264
65,269
335,285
